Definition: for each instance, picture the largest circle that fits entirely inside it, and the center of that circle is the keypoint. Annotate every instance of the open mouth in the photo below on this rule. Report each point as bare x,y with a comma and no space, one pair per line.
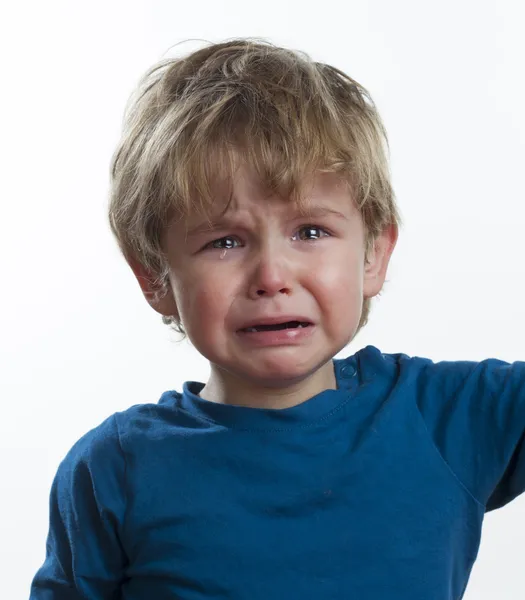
277,326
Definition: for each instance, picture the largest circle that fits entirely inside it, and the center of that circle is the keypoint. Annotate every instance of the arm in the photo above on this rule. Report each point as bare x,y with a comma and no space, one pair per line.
477,421
84,553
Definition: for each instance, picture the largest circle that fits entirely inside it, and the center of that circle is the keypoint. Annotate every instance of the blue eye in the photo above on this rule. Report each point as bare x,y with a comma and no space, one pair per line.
311,232
225,243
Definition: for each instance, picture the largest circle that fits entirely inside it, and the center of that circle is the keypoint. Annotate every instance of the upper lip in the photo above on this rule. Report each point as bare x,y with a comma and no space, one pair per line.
274,321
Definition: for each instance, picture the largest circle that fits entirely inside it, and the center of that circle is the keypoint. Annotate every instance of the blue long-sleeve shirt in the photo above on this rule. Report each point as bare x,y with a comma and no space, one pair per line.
375,490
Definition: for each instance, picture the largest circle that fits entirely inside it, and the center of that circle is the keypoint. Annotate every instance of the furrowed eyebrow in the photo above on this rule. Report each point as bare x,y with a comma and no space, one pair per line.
223,223
226,222
323,211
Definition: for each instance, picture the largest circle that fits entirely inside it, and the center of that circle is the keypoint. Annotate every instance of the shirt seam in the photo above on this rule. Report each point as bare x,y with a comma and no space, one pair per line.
462,485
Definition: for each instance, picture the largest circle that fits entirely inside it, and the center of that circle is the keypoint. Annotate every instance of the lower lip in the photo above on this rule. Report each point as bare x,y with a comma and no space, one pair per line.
279,337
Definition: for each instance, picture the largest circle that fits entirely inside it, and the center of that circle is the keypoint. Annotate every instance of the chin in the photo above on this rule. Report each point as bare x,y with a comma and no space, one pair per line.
281,372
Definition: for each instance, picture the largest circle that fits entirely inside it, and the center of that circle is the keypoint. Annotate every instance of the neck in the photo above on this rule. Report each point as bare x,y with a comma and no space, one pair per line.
226,388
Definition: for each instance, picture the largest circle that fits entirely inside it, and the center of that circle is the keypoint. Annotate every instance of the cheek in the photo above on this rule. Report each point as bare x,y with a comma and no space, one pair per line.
204,303
338,291
341,277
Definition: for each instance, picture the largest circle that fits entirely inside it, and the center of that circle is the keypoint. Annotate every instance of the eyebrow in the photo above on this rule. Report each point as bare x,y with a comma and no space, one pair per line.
230,220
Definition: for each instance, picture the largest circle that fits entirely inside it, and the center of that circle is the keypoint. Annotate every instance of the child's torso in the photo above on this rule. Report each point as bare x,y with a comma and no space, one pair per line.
357,505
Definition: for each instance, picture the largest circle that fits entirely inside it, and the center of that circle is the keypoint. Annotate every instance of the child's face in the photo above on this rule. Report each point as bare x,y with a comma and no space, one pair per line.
264,260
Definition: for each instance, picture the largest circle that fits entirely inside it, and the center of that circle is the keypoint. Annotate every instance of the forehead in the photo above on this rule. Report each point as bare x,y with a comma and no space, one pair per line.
246,194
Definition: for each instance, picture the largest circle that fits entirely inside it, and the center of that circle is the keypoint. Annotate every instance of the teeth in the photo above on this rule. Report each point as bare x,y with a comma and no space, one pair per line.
251,329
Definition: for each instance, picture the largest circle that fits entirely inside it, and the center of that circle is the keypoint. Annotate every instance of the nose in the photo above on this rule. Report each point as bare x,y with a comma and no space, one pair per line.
271,275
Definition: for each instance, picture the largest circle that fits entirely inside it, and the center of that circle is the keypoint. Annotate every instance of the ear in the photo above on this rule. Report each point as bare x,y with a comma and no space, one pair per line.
161,301
378,260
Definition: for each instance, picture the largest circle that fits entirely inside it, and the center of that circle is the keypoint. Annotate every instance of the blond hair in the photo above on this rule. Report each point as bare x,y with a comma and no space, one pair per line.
288,115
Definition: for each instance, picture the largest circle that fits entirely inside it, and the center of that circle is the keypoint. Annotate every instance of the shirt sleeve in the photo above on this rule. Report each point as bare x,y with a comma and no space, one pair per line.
475,413
84,552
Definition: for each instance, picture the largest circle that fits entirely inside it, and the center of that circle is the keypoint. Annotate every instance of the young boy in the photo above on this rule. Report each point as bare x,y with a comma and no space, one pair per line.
251,196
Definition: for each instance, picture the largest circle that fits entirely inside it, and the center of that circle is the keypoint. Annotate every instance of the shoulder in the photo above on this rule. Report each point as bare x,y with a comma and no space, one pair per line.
109,440
490,384
97,447
473,412
428,373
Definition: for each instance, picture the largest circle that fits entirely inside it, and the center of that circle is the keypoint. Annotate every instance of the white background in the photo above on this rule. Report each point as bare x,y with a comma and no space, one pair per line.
78,340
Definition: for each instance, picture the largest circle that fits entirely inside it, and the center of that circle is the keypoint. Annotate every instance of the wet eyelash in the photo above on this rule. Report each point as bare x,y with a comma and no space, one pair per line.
311,226
226,237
